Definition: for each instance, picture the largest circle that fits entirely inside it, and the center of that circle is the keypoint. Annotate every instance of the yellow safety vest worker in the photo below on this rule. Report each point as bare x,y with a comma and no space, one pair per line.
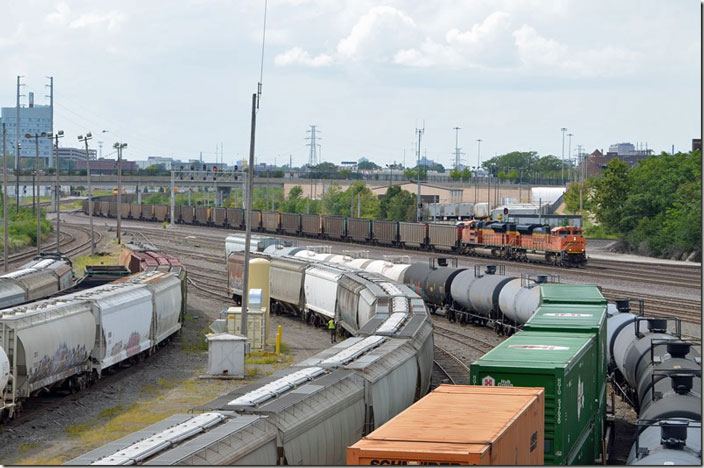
331,324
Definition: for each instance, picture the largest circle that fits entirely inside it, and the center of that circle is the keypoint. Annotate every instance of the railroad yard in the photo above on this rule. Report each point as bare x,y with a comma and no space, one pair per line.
59,424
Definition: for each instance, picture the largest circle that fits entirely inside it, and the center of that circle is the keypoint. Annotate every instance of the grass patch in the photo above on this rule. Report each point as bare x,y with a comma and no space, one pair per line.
74,205
110,412
23,448
197,344
77,429
251,372
22,227
111,257
285,349
261,357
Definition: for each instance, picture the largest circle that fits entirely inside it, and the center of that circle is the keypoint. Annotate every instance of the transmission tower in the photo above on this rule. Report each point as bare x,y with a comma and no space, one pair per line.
458,153
313,155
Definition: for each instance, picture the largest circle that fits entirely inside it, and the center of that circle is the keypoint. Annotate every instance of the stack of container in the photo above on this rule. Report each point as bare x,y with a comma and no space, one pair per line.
578,309
478,426
564,365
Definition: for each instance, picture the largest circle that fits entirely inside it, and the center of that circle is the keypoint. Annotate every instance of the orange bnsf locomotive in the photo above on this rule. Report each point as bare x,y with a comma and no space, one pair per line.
562,245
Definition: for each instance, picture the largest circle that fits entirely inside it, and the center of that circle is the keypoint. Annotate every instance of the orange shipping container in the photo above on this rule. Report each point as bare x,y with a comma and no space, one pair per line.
460,425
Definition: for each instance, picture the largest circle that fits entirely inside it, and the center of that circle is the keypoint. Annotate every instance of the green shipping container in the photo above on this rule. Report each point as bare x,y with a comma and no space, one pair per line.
562,364
583,451
600,423
571,318
571,294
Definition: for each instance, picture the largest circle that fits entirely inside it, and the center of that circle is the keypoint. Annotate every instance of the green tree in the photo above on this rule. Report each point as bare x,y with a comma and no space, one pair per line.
398,205
466,174
455,175
412,174
609,195
367,165
571,197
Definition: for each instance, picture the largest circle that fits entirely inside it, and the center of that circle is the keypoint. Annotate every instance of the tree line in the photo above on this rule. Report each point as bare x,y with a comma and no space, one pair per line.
654,207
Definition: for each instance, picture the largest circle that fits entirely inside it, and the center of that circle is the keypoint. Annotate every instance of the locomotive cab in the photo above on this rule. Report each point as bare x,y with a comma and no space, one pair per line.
570,243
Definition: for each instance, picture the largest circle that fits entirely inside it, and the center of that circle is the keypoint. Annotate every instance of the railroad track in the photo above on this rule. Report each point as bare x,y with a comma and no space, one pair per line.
456,371
686,309
668,275
467,340
29,254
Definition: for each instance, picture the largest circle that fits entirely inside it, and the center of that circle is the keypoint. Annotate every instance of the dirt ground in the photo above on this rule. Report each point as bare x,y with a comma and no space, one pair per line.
56,428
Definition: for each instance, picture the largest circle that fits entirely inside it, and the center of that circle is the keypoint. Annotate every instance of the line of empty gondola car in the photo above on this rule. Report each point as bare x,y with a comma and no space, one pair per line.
534,242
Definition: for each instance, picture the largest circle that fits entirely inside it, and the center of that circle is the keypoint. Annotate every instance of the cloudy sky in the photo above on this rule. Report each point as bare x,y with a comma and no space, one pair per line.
176,78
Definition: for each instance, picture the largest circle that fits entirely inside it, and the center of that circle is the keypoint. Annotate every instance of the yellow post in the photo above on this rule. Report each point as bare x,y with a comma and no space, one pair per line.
279,334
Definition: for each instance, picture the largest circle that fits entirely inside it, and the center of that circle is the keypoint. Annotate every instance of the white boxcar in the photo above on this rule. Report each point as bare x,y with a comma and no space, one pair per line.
123,312
321,289
53,339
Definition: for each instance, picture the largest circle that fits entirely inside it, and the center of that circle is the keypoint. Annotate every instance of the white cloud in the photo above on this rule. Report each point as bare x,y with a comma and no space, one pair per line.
496,23
542,55
378,35
60,15
112,19
298,56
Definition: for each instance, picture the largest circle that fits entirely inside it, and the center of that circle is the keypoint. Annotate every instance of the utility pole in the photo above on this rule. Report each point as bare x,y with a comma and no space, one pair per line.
35,187
563,130
4,198
419,213
248,226
57,190
581,179
457,149
359,204
90,190
569,157
476,179
250,196
17,153
119,147
173,197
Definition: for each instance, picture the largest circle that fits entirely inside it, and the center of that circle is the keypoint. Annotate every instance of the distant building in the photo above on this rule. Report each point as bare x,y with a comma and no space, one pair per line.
33,120
69,156
596,162
156,160
628,153
106,166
